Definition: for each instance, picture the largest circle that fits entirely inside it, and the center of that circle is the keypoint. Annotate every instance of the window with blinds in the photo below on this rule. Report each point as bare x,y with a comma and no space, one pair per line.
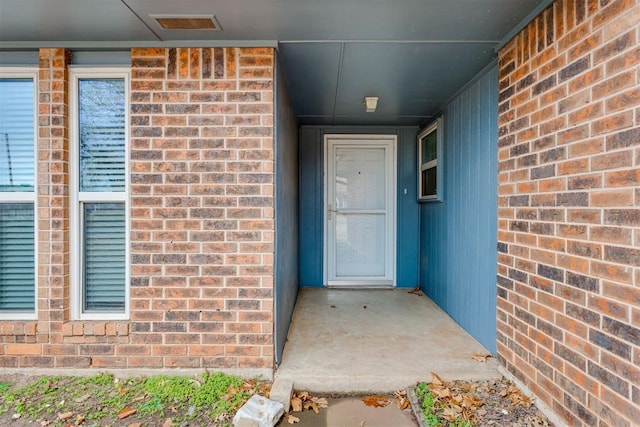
17,196
430,162
100,166
103,230
16,135
102,134
17,273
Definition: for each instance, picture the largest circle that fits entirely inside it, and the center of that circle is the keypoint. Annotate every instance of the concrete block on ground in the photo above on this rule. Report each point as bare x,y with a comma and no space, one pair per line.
259,412
245,422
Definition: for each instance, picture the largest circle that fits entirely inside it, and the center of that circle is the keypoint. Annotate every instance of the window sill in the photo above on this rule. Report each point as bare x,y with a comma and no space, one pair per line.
95,328
18,327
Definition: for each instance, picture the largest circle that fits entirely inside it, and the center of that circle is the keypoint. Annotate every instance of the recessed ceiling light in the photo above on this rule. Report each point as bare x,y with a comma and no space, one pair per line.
190,22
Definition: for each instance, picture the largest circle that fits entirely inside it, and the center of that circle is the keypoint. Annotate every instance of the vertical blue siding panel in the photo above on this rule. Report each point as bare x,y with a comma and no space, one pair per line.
458,236
407,247
286,216
311,157
311,207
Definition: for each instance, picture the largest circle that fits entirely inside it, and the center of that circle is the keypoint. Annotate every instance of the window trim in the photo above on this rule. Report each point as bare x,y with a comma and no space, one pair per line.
25,197
78,197
438,126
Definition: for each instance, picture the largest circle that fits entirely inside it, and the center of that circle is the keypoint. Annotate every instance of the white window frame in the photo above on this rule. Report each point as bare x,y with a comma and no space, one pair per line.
22,197
78,198
438,126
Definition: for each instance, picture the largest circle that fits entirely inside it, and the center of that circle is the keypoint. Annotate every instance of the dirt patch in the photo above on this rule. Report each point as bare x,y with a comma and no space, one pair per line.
17,380
104,400
476,403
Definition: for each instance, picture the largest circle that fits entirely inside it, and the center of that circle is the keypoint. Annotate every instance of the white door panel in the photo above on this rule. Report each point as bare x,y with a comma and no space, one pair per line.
360,210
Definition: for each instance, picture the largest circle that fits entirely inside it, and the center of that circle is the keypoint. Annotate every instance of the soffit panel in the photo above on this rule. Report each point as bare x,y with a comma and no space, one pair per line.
69,20
343,19
410,79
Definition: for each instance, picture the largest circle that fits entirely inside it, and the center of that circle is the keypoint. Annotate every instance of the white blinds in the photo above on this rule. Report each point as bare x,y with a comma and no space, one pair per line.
104,256
16,135
17,241
16,257
102,134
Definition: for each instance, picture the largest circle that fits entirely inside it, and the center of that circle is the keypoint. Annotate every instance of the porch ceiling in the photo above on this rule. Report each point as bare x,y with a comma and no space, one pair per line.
413,54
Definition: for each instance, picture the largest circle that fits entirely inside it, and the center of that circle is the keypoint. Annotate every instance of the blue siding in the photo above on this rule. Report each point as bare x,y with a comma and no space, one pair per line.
311,202
286,215
311,209
458,236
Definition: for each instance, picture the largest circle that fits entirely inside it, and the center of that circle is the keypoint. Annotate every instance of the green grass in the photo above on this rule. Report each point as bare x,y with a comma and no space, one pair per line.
213,398
430,409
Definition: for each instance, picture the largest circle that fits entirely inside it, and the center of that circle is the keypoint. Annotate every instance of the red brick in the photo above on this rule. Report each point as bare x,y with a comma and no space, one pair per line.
572,166
612,198
193,99
613,272
611,235
586,94
23,349
612,123
622,101
621,293
623,61
626,178
608,307
611,161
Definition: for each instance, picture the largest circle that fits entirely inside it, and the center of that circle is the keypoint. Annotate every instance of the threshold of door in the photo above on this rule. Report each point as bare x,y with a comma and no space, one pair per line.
361,284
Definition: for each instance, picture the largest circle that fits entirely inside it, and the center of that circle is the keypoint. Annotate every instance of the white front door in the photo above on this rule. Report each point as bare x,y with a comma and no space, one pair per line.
360,210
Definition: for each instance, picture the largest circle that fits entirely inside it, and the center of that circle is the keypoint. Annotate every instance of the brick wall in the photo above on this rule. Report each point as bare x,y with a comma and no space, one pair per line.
201,219
569,210
202,227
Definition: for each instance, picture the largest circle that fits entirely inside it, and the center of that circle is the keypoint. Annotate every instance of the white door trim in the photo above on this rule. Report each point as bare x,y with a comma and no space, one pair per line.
390,141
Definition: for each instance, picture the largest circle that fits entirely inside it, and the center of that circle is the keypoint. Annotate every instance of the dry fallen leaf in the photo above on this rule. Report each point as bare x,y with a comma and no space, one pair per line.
441,392
65,416
470,401
81,420
436,379
480,357
296,404
126,412
321,401
134,425
304,395
416,291
45,423
450,413
402,401
291,419
517,398
168,423
310,404
376,401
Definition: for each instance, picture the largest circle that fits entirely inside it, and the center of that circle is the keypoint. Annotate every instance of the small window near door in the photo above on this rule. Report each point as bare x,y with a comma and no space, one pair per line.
430,162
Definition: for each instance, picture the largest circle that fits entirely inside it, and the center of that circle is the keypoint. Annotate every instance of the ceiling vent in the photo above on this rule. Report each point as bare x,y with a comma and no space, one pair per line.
190,22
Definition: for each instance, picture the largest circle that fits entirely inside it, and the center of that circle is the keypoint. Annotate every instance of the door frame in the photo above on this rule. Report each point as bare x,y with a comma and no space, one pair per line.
363,139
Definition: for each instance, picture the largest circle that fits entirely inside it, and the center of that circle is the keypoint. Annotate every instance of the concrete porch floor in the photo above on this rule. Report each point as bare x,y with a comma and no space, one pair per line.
343,341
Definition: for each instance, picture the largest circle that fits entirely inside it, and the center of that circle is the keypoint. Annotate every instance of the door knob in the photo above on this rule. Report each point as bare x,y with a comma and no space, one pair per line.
330,211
